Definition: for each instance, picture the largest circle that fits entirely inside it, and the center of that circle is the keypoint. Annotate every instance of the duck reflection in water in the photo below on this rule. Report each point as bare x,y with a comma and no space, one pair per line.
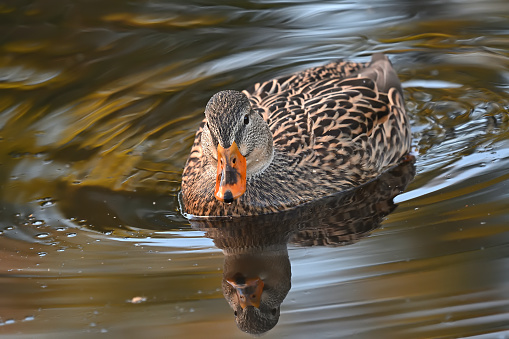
257,271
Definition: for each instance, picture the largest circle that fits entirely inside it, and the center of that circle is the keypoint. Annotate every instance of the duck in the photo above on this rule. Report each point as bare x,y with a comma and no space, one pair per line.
297,138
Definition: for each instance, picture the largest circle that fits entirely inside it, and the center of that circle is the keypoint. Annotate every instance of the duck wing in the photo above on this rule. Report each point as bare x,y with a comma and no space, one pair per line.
339,114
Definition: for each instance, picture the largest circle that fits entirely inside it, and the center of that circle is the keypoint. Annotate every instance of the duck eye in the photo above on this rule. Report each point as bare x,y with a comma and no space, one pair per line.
246,119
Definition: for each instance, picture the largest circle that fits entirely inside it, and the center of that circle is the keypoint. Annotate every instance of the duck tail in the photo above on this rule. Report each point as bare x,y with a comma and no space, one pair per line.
380,70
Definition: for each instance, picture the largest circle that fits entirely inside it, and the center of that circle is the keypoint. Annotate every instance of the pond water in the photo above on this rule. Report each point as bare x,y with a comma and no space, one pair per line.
99,103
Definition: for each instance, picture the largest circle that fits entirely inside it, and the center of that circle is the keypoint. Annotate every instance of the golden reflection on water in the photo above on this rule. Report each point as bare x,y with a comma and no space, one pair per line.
99,104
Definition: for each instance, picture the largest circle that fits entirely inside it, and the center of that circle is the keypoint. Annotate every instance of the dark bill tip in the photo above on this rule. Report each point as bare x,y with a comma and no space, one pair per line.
228,196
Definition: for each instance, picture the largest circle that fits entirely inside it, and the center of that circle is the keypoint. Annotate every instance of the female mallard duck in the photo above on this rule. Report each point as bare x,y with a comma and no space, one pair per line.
296,138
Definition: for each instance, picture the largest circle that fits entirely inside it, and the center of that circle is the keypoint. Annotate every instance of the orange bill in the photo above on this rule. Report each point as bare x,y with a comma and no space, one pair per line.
231,173
249,292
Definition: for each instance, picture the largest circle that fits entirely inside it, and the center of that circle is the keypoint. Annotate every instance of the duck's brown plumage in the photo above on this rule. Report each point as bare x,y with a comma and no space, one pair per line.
332,128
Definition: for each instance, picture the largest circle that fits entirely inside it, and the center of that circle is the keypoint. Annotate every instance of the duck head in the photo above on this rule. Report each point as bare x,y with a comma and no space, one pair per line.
237,141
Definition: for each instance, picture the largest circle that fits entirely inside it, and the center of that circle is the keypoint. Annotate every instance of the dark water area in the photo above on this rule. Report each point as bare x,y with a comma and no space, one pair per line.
99,104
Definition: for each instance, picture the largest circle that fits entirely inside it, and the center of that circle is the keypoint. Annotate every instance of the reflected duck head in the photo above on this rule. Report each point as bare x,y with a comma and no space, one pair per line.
256,305
255,285
251,314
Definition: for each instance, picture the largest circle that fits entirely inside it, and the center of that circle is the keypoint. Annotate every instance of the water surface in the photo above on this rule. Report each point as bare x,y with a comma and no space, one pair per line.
99,103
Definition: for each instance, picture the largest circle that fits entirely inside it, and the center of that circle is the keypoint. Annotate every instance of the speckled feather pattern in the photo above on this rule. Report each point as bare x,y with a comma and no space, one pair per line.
334,127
